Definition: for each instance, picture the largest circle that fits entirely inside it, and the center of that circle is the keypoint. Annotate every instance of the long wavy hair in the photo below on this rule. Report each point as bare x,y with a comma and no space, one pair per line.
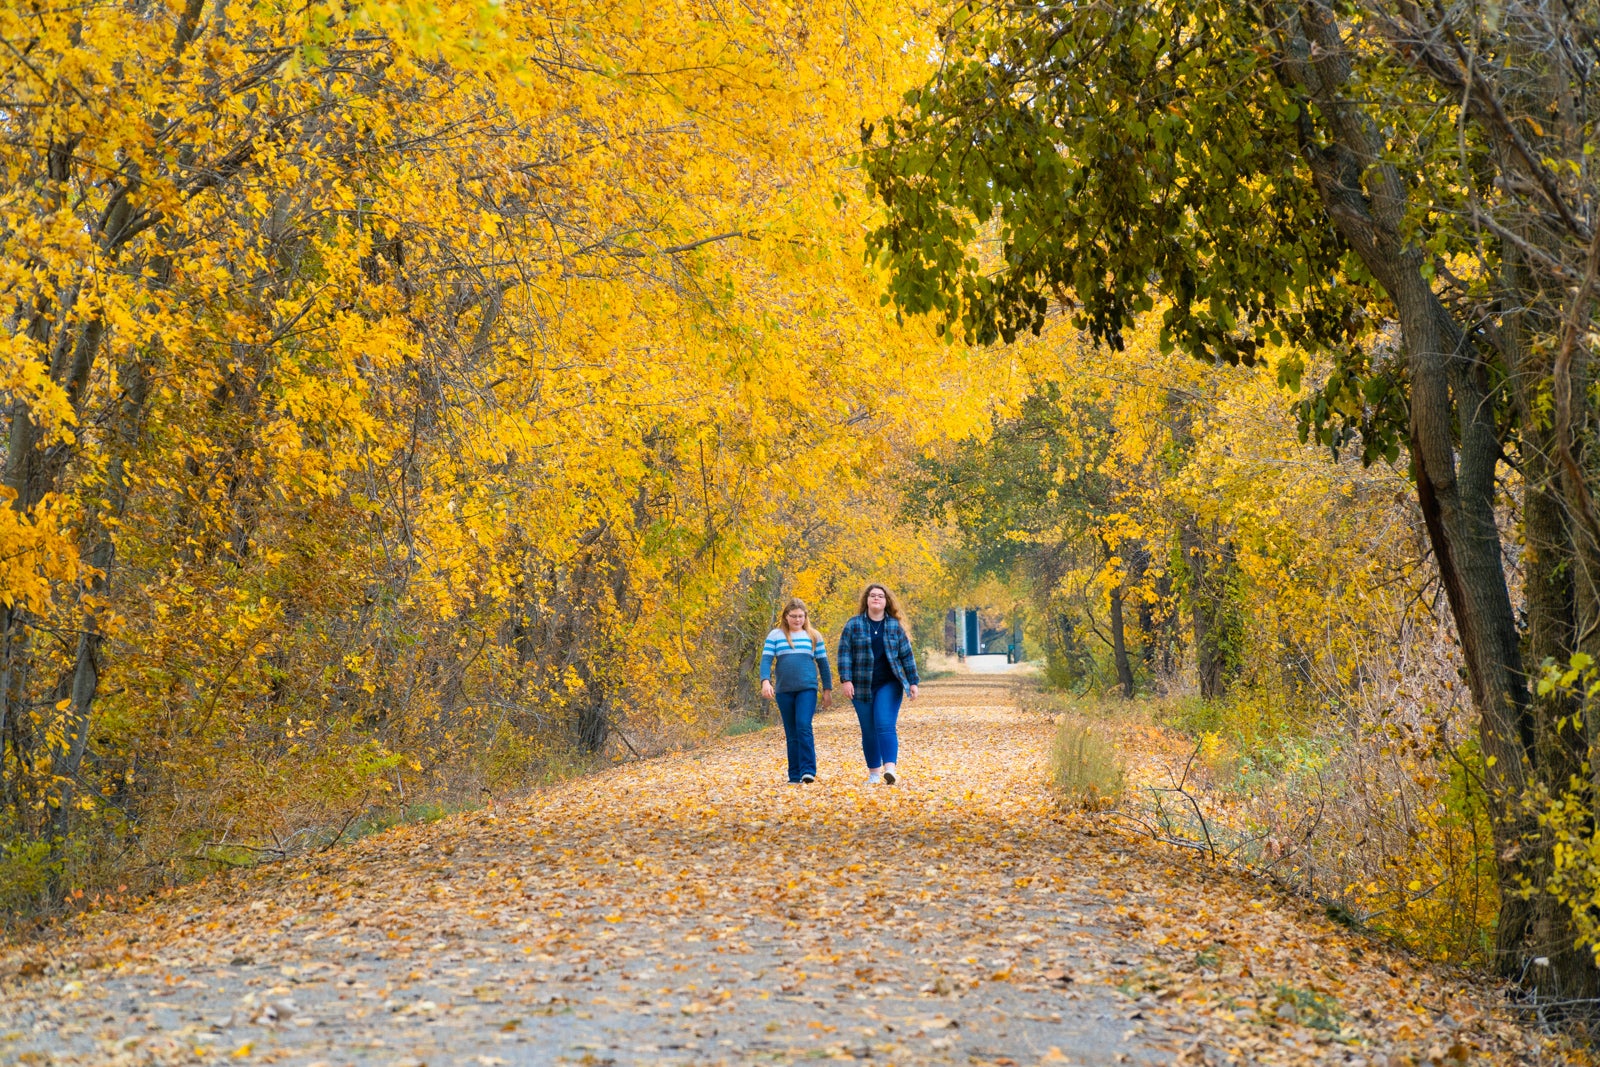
890,608
796,604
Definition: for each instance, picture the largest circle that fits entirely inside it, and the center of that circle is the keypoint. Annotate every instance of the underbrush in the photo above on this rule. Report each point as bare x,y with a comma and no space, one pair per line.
1085,770
1377,813
109,861
231,808
746,724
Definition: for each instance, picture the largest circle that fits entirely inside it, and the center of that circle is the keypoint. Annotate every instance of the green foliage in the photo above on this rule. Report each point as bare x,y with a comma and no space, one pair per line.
27,869
1119,158
401,815
1037,504
1308,1007
1053,127
1358,403
1567,812
1252,720
1066,669
752,724
1036,478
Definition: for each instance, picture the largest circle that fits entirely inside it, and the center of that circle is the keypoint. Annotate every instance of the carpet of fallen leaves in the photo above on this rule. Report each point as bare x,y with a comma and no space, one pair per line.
696,909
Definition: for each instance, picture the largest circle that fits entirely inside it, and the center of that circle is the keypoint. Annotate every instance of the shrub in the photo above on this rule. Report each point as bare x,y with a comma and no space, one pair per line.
25,874
1085,770
750,725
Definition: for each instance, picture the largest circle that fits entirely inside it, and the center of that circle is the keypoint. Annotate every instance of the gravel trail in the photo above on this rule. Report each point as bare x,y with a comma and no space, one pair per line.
691,909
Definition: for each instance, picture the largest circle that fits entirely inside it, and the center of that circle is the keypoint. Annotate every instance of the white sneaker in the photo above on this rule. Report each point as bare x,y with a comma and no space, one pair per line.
807,779
874,779
890,774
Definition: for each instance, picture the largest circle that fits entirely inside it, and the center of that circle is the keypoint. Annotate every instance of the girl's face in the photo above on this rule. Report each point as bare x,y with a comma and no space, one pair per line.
877,600
795,619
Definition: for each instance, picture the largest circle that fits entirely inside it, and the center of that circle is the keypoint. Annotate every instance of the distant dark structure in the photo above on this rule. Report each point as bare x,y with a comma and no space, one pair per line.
966,633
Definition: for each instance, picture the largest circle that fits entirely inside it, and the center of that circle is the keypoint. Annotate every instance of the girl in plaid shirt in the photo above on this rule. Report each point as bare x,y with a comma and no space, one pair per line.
877,669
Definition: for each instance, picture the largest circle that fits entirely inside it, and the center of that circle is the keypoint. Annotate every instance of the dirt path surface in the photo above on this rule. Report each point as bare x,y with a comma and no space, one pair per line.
695,909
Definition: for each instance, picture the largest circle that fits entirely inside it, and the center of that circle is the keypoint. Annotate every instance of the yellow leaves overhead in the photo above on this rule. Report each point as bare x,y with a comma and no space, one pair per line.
400,368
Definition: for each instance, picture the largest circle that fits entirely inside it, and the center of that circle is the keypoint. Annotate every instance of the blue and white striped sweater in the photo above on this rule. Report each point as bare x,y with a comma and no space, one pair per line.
793,664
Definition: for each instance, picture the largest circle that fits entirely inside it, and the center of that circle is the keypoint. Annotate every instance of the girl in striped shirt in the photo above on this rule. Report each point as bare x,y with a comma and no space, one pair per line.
794,665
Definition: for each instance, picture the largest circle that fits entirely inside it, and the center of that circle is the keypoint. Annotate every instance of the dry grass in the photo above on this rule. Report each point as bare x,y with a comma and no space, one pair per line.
1085,770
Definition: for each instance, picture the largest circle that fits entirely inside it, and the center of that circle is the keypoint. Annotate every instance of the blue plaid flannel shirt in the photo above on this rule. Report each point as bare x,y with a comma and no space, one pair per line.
855,655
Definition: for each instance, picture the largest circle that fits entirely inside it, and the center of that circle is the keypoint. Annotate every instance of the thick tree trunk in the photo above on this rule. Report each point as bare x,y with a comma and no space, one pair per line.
1365,199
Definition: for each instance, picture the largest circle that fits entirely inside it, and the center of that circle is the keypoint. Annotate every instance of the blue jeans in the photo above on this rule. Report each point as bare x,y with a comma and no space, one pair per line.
878,716
797,710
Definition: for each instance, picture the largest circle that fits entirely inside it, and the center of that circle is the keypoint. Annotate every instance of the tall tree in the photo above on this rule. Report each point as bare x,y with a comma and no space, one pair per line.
1310,175
376,379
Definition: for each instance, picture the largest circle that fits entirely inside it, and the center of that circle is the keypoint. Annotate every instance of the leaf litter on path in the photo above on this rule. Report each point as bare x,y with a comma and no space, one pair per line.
697,909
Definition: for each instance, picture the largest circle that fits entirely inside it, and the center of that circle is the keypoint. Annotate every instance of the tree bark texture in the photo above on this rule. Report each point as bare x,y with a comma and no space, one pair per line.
1455,448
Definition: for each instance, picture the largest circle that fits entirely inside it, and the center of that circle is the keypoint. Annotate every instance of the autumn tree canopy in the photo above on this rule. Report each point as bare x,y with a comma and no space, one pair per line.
399,394
405,402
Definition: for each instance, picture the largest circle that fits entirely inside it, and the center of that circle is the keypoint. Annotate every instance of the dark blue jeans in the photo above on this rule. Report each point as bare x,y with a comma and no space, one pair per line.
878,716
798,709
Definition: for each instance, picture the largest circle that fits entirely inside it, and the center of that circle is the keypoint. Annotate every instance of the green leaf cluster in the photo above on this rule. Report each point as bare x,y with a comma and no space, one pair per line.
1104,160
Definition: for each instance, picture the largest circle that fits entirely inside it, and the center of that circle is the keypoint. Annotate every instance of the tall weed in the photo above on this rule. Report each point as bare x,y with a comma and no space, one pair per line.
1086,772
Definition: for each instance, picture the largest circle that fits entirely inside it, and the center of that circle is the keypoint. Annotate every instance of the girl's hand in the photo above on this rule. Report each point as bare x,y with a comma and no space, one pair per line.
912,692
849,689
827,698
766,689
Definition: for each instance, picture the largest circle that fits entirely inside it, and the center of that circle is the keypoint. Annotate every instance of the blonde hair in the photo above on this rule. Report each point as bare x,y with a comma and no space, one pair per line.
796,604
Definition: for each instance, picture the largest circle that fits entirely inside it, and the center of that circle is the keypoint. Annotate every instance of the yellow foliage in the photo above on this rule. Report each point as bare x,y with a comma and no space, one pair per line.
409,393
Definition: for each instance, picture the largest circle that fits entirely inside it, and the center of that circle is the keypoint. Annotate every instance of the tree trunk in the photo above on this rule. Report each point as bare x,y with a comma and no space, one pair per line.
1138,557
1119,639
1366,200
1119,644
70,345
593,726
14,665
1072,651
101,554
1165,627
1207,595
1294,663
